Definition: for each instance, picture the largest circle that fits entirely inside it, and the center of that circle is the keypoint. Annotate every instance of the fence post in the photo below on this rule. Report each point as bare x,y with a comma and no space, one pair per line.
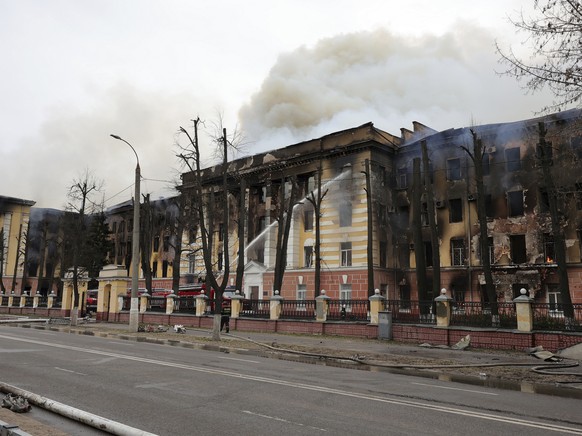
376,305
275,306
50,300
35,301
524,312
443,309
23,298
235,303
144,302
170,302
321,306
11,299
201,304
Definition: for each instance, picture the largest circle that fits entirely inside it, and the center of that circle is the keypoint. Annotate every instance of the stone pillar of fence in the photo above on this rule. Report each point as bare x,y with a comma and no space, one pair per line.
144,302
524,311
67,298
171,301
201,304
275,306
377,303
236,304
443,309
50,301
11,299
35,300
23,298
321,303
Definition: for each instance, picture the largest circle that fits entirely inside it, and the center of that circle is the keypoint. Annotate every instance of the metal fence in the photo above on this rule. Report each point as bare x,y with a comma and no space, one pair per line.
412,312
298,309
256,309
551,317
478,314
348,310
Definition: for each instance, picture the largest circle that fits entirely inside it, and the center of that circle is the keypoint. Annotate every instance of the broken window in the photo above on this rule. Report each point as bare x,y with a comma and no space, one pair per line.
424,214
457,252
515,203
404,296
154,269
554,298
489,206
454,169
518,250
490,251
455,210
261,194
383,253
513,159
165,268
549,248
308,220
428,253
192,263
346,254
402,180
308,256
345,214
156,243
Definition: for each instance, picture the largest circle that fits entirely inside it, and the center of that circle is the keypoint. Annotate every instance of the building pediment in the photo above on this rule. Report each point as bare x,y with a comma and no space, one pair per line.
254,267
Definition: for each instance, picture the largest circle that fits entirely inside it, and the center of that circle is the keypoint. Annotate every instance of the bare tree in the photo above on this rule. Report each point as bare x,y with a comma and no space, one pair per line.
2,249
79,202
553,35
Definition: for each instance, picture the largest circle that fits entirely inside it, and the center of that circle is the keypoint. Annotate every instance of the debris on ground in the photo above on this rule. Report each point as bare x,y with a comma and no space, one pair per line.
148,328
179,328
16,403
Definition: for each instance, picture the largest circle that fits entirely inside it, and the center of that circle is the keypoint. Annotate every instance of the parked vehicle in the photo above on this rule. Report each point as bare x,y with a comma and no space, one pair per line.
91,301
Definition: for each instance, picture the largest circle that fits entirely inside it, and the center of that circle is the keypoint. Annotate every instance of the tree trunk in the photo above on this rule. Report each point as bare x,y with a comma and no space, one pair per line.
370,250
240,267
434,236
419,254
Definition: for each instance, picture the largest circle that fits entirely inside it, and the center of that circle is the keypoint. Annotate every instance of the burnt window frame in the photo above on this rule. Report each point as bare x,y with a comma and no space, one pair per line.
345,213
345,254
402,177
513,208
458,251
515,244
486,164
454,172
549,245
513,159
455,210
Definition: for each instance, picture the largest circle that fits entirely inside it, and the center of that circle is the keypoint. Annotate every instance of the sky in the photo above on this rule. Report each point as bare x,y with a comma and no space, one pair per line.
277,72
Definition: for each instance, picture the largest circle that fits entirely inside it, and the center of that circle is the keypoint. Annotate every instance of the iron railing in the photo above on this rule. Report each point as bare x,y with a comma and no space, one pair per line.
256,309
298,309
412,312
550,316
478,314
348,310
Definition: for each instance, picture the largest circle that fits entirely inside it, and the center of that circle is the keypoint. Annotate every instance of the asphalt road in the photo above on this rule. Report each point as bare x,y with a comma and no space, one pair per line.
180,391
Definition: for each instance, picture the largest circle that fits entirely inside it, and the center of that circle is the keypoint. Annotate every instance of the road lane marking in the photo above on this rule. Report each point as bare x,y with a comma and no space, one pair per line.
454,389
68,370
316,388
286,421
240,360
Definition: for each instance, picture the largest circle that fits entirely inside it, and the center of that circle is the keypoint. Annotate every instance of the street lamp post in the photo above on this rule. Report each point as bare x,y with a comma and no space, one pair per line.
133,310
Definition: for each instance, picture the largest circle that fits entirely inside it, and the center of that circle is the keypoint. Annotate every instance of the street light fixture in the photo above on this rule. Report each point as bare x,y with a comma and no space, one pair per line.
133,310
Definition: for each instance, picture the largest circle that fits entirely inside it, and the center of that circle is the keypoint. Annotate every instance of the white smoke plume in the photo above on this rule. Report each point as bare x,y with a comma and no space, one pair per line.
347,80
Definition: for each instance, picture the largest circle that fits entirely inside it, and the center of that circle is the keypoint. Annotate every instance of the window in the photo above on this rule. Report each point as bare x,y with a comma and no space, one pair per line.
192,235
166,243
261,255
220,260
308,220
154,269
156,243
515,203
261,194
491,250
428,253
383,253
454,169
455,210
424,214
345,291
345,214
404,291
346,254
518,251
308,256
192,263
512,159
488,206
220,232
114,228
549,248
554,298
301,295
458,252
402,178
165,268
